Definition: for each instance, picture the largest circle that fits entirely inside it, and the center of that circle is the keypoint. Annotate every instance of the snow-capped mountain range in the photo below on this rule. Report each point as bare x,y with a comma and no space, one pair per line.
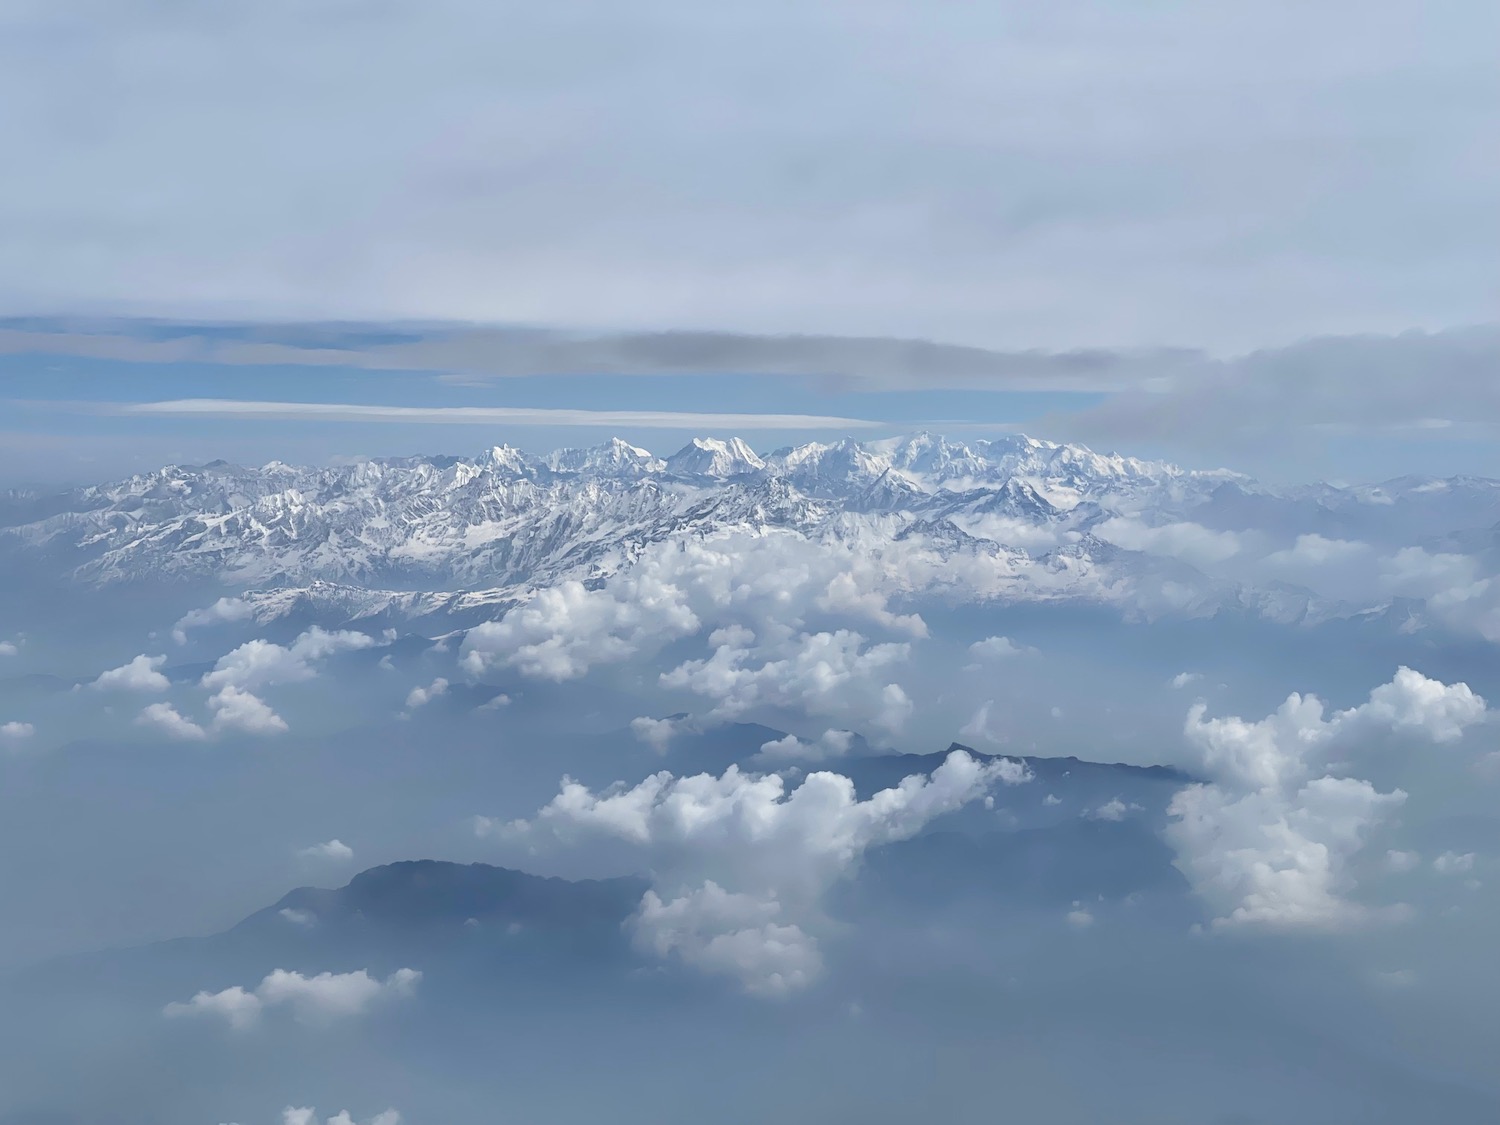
469,536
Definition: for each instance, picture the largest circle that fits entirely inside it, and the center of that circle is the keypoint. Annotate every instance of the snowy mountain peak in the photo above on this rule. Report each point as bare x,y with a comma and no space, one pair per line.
614,457
506,458
711,457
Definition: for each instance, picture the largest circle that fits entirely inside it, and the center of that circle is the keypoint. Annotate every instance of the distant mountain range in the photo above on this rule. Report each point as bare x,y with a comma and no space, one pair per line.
459,540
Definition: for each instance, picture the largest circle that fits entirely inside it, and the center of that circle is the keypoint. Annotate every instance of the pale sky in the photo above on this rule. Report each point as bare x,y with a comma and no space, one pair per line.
1053,175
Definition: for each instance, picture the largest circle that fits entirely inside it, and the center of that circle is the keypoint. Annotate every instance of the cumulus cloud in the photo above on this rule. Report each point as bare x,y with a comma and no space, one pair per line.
315,999
736,935
1264,753
222,612
1453,863
655,733
566,629
1269,839
995,648
494,703
1183,679
1277,858
846,595
9,648
832,674
761,587
1400,862
1114,810
335,850
237,710
1193,543
167,719
981,725
1080,917
421,696
306,1115
140,674
260,663
241,1009
15,730
828,746
757,843
1312,554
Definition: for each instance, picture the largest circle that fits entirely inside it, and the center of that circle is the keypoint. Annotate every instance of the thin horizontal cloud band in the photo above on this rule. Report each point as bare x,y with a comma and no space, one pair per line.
478,415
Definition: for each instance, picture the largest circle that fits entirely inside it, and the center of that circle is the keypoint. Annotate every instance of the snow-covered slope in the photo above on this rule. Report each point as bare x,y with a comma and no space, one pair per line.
1013,519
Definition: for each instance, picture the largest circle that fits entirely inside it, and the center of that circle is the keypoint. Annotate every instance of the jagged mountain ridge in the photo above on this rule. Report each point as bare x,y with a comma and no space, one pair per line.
505,517
418,536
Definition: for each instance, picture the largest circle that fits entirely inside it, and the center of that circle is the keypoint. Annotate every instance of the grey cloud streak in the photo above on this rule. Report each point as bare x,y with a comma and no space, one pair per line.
470,353
1435,386
472,415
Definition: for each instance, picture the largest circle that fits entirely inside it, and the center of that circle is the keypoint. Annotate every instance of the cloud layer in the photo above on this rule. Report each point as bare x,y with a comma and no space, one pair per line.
316,999
1060,176
1269,840
739,861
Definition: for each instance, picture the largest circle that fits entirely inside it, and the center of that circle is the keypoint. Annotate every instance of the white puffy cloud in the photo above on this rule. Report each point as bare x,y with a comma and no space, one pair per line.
306,1115
1183,679
15,731
9,648
566,629
1401,862
735,935
234,710
1269,839
846,594
655,733
167,719
1266,752
334,995
237,710
1190,542
981,726
305,918
756,842
768,584
335,850
1312,558
421,696
1114,810
141,674
224,611
1080,917
261,663
1454,588
828,746
1413,702
240,1008
829,674
1277,858
313,999
1453,863
993,650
